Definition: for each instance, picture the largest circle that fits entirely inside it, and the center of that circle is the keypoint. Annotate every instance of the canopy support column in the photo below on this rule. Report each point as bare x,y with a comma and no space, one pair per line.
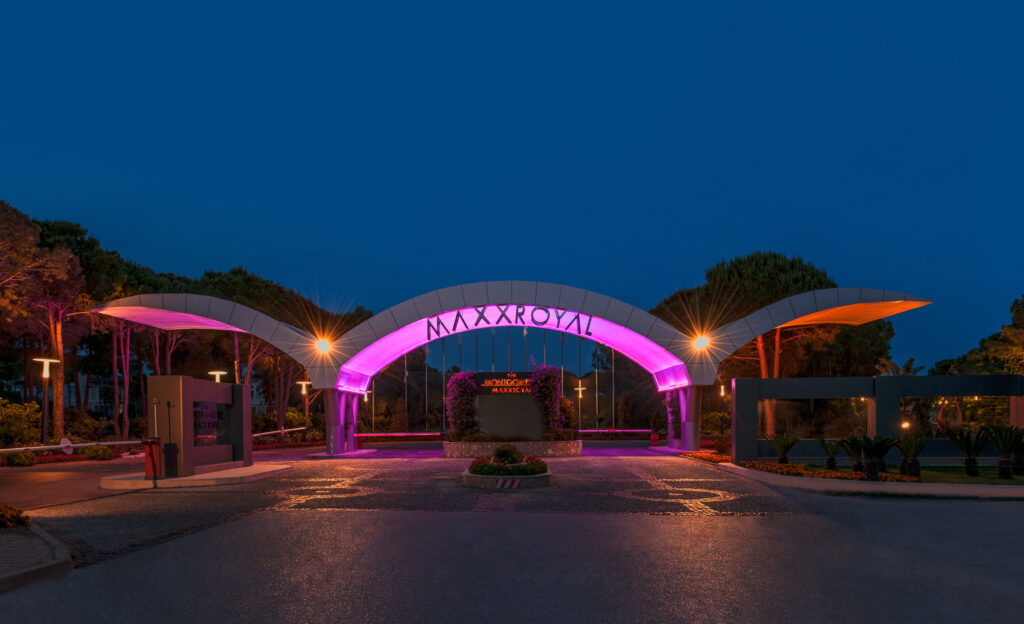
340,412
689,418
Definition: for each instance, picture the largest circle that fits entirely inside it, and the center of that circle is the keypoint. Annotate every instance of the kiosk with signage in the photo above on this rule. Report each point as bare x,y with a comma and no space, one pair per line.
203,426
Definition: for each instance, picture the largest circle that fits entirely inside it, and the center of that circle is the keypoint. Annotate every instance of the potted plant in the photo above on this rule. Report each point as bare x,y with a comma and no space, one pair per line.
911,446
970,442
831,447
782,443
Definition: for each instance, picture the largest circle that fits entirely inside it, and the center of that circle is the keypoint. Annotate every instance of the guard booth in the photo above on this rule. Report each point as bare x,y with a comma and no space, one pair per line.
203,426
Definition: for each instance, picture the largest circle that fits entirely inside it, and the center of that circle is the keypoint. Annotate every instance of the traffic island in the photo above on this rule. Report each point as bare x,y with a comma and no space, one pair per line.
233,476
492,482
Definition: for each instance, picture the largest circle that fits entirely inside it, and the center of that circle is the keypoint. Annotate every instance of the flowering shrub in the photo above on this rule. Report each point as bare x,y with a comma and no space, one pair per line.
800,470
11,517
546,387
491,466
23,458
99,453
714,458
461,404
508,454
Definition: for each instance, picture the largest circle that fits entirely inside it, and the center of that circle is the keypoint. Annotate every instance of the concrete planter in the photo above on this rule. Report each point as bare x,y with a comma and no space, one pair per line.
497,482
536,448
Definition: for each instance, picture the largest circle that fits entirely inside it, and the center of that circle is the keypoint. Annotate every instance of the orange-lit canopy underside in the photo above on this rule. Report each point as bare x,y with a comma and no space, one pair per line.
856,313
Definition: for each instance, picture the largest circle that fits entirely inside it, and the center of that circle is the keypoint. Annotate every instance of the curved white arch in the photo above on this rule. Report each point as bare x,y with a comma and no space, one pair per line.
668,354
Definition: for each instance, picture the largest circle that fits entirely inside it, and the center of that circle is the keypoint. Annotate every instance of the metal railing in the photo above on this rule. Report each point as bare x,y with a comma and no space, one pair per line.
279,432
60,447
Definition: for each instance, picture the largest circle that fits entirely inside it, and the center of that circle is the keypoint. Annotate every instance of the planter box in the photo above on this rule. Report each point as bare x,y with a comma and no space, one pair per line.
497,482
536,448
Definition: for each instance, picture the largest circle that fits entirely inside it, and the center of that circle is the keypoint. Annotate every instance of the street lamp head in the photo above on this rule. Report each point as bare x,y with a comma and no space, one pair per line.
701,342
304,384
217,375
46,365
323,345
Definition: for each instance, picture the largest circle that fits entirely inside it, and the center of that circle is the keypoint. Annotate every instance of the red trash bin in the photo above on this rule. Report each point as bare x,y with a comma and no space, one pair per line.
154,458
654,439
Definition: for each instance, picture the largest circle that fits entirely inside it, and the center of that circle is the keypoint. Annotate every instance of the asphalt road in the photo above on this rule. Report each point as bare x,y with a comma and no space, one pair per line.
621,537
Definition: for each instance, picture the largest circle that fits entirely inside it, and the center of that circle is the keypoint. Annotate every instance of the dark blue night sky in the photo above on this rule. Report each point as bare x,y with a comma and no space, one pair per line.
368,152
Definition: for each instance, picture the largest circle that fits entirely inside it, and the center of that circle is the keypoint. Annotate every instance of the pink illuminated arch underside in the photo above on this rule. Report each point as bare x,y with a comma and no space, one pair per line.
669,371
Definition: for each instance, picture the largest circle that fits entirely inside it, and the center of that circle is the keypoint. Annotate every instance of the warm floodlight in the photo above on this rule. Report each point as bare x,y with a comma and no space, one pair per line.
323,345
46,365
721,390
366,396
905,425
304,384
579,390
701,342
217,375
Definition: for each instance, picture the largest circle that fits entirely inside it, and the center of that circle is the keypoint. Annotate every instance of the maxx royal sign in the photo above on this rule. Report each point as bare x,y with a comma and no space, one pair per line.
480,317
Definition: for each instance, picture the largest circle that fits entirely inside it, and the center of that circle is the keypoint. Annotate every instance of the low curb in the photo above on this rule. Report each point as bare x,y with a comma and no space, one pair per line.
234,476
506,482
842,486
59,565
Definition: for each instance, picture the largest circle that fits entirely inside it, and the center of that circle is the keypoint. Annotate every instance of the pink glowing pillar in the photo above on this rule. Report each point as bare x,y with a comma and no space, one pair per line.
333,419
689,418
341,409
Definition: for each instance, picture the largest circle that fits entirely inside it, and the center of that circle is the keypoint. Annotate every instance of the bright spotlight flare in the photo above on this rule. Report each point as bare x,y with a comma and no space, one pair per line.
323,345
701,342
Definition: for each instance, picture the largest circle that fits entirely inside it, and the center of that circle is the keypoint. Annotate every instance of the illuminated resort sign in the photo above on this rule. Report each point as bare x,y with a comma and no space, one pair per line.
503,383
668,370
479,317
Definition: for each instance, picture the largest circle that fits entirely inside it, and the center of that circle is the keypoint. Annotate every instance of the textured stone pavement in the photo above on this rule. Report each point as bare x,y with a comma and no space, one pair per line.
20,549
638,537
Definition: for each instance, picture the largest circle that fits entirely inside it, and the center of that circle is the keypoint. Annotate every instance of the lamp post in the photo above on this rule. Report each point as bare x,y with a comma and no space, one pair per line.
579,403
305,405
46,393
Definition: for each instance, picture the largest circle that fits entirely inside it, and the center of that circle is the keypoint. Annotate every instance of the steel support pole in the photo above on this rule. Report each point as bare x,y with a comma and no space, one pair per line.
46,409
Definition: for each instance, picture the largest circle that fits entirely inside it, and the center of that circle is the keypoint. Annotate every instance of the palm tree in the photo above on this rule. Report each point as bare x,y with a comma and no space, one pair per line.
1007,440
911,446
852,447
874,454
831,447
969,442
782,443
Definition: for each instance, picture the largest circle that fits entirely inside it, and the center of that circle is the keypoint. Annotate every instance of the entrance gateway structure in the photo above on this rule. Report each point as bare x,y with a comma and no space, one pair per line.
344,366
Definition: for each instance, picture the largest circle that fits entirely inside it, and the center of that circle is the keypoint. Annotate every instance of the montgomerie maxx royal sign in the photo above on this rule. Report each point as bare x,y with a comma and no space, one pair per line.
497,315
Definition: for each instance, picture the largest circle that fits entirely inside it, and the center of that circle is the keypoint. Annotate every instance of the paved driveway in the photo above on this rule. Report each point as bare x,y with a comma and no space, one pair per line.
625,536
